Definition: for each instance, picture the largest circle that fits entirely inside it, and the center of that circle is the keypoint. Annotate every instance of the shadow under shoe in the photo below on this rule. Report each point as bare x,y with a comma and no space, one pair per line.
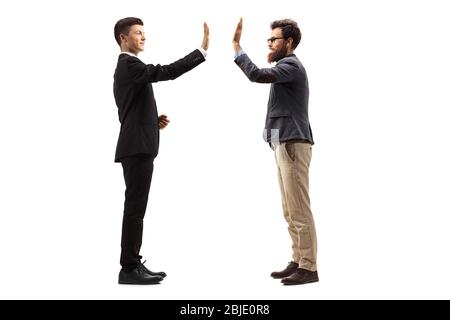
152,273
301,276
138,276
290,269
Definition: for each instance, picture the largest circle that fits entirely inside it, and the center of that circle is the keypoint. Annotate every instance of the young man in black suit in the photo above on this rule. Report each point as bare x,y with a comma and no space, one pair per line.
138,141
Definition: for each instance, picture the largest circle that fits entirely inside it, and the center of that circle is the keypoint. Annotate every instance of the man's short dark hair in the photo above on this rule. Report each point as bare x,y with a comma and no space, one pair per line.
123,26
290,29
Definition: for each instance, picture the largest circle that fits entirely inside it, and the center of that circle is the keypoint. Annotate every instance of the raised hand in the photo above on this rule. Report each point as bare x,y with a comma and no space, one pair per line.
205,43
163,121
237,37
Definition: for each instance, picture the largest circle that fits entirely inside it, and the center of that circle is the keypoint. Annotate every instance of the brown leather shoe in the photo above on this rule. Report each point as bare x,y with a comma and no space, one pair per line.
290,269
301,276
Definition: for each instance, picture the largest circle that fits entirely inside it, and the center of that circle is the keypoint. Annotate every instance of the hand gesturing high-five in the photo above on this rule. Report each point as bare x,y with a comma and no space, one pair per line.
205,43
237,37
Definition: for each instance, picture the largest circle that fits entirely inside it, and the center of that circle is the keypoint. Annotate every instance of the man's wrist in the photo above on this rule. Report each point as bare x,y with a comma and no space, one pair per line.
238,53
203,51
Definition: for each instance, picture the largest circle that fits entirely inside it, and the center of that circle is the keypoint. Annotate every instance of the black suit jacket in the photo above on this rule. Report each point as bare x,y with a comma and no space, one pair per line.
133,92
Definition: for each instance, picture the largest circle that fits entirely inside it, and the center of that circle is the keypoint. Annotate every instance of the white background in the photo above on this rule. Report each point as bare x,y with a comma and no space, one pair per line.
379,75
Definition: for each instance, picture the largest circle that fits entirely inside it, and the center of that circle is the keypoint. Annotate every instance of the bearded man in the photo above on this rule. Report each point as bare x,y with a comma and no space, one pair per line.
289,134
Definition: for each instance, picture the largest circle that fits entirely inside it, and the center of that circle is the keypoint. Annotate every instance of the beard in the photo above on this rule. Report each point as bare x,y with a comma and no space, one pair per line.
277,55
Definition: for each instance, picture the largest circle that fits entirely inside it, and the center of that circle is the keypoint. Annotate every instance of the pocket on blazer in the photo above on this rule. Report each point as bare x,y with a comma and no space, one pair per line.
279,114
149,118
151,121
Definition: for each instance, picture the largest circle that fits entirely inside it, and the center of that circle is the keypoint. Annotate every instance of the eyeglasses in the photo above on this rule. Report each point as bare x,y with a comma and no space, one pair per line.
273,39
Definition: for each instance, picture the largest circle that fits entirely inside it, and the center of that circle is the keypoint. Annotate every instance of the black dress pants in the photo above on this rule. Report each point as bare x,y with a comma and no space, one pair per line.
137,171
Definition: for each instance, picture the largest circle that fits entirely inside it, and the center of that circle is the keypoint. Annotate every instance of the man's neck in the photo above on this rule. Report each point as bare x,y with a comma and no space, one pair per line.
134,54
129,53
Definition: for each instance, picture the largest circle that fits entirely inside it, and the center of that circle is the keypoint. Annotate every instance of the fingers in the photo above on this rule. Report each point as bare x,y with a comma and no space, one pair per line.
163,121
238,31
239,26
205,42
162,125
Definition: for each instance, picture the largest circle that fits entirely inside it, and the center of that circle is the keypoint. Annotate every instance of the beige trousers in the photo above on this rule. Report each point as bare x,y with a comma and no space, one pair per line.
293,159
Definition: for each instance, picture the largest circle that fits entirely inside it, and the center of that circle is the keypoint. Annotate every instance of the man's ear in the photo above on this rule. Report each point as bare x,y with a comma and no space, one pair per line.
290,41
122,38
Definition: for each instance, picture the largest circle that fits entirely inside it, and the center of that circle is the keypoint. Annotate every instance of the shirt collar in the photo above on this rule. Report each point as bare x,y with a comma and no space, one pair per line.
129,53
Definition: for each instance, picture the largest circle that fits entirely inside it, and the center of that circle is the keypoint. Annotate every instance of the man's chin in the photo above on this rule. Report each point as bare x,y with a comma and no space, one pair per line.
271,58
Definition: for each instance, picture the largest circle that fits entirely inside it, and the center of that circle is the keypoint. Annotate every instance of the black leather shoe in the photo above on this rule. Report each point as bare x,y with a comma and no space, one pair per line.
161,274
301,276
138,276
290,269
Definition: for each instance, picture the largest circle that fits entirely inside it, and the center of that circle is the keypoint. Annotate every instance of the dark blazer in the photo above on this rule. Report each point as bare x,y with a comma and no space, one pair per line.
133,92
287,109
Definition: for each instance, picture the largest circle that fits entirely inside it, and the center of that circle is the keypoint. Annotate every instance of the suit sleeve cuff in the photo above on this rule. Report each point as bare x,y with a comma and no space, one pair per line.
240,53
203,51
